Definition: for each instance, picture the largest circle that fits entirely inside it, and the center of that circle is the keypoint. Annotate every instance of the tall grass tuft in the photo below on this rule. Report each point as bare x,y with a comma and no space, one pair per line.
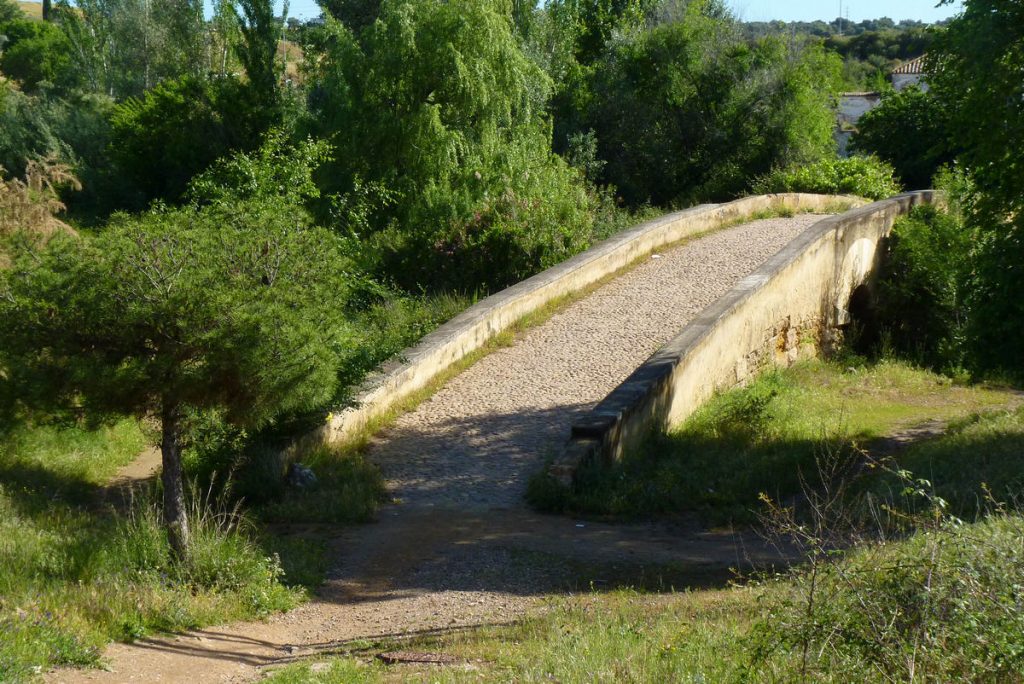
73,576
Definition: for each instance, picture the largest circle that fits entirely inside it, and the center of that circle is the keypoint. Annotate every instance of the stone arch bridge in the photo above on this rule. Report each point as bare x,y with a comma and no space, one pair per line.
734,297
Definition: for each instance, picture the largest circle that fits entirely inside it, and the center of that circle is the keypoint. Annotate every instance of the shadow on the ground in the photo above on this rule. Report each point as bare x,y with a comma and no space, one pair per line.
460,524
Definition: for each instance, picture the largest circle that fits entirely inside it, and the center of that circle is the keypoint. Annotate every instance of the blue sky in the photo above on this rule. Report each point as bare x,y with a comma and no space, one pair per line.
787,10
858,10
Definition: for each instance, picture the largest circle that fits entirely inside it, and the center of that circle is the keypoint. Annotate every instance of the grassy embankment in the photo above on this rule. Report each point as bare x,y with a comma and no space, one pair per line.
75,573
32,10
940,603
762,439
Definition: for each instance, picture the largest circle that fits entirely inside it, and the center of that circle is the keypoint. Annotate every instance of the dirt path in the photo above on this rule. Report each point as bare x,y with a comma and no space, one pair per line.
129,478
460,548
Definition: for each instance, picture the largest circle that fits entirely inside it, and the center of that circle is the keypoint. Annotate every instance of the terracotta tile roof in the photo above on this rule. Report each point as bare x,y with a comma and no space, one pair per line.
914,66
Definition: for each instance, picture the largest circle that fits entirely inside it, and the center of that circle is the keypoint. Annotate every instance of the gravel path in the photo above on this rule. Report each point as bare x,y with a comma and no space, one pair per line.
460,548
477,440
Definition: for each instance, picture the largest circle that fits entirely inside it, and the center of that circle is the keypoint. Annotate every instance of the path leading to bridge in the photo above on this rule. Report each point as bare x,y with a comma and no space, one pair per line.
459,547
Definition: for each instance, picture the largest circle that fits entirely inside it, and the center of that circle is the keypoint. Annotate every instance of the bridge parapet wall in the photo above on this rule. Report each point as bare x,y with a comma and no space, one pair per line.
418,366
794,304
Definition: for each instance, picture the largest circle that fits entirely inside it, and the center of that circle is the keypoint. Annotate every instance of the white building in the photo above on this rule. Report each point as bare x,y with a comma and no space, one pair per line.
851,107
909,73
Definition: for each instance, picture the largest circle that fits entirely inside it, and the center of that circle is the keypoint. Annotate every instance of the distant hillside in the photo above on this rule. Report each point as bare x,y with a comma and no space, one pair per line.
34,10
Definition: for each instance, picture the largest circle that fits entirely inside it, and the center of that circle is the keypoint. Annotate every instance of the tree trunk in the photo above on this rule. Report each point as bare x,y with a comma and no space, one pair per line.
47,7
175,512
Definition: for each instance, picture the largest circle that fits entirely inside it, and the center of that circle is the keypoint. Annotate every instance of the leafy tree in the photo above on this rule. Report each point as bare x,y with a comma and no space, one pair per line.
923,287
177,129
435,110
228,306
9,11
594,22
909,130
36,52
124,47
356,15
690,110
261,31
976,67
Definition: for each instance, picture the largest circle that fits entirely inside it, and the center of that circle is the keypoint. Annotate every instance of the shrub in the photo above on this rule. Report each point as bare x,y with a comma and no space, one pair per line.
939,606
175,130
922,293
10,11
223,555
862,176
37,52
72,131
31,205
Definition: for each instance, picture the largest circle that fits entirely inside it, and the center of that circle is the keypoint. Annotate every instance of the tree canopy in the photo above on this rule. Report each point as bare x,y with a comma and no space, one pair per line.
976,68
230,305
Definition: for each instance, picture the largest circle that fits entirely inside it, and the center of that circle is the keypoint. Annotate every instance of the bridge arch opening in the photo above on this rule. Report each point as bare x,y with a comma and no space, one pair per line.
863,332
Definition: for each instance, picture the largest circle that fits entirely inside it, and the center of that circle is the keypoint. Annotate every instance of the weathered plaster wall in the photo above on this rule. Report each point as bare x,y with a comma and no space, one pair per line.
792,305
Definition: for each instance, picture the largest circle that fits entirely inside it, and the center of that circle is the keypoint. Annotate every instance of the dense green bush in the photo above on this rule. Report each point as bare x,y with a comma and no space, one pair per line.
908,129
863,176
9,11
161,140
30,126
690,111
922,294
74,131
37,52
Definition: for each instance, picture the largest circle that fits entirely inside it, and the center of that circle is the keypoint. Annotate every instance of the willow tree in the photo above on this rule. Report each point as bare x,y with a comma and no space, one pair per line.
228,306
439,118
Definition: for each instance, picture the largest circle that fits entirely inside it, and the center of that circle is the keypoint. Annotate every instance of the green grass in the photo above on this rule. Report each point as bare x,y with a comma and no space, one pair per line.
764,438
392,324
74,576
349,489
72,458
980,459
